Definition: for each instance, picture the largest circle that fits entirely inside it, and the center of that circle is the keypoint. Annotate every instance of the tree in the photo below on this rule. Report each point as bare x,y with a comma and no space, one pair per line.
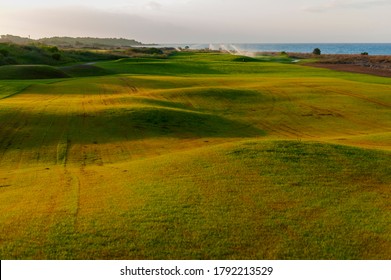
316,51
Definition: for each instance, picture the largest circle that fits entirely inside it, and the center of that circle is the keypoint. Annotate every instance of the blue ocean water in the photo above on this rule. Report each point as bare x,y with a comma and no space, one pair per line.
326,48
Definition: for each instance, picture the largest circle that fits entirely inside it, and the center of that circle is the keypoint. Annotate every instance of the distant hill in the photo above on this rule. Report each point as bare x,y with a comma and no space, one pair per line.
89,42
15,39
79,42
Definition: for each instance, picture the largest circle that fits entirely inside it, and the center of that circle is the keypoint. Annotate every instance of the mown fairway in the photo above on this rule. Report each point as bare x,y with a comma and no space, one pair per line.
199,156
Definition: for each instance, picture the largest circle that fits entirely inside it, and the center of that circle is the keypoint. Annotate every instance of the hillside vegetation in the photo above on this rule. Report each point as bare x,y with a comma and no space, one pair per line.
70,42
197,156
13,54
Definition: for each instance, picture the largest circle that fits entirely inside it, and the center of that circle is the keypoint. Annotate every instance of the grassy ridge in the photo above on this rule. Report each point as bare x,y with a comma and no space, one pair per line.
30,72
250,200
199,156
10,88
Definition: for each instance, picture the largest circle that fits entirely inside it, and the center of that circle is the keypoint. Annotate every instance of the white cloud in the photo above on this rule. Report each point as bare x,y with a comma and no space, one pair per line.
81,21
344,5
153,5
201,21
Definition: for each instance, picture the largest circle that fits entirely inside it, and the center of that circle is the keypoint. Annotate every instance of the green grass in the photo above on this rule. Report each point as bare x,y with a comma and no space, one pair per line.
14,54
10,88
197,156
84,70
30,72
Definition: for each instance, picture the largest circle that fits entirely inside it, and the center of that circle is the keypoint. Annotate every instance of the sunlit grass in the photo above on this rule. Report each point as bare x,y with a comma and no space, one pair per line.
199,156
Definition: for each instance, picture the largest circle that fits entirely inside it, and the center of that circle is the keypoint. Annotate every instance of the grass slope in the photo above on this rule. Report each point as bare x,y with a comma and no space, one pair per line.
30,72
199,156
85,70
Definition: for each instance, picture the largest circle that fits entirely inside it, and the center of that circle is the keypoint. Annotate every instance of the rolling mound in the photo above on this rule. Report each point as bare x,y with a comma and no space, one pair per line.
198,157
30,72
85,70
215,94
122,124
249,199
161,122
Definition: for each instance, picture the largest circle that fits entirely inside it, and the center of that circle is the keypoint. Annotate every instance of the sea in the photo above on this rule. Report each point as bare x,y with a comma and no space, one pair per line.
326,48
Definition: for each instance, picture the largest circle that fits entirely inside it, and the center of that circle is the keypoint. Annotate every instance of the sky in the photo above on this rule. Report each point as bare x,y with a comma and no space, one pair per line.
202,21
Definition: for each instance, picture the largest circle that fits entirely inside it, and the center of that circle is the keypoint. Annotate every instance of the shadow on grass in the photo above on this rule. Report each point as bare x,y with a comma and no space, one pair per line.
31,131
161,67
29,72
85,70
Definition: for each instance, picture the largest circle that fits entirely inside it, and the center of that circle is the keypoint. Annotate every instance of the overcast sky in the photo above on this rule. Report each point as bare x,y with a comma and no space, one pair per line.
202,21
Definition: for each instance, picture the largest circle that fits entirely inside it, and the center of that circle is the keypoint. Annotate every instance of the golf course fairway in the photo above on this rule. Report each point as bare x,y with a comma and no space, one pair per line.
197,156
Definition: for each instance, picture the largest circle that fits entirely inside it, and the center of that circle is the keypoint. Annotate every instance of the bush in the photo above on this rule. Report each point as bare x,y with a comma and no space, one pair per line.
28,48
56,56
10,60
316,51
151,51
52,49
364,53
155,51
4,52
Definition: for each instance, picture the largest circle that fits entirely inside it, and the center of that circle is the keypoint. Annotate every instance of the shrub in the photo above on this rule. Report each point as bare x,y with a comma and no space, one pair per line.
155,51
4,52
10,60
28,48
316,51
364,53
151,51
56,56
53,49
